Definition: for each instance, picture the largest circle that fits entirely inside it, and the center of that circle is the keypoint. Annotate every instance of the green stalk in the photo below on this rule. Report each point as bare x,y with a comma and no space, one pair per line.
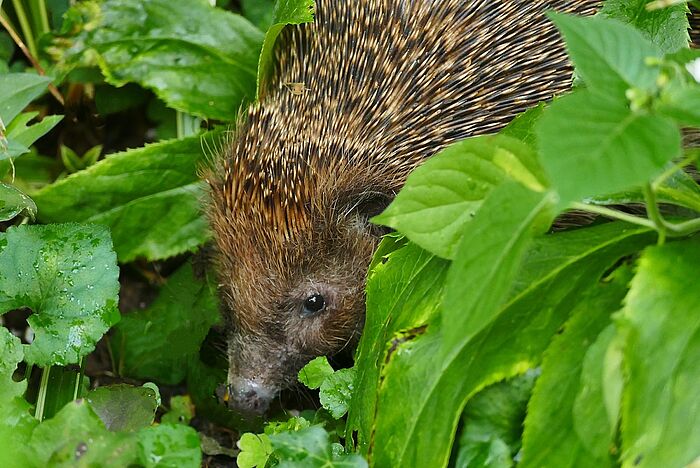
613,214
654,213
186,124
41,398
40,16
24,24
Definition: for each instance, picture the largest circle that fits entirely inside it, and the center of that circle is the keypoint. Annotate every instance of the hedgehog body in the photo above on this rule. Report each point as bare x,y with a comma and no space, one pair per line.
359,98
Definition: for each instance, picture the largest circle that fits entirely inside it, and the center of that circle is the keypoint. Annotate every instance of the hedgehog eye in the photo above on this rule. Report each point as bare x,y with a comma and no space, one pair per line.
314,304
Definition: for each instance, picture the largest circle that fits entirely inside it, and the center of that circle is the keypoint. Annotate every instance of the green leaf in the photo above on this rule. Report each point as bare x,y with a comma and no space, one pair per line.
149,197
143,340
550,435
16,420
259,12
488,258
63,385
14,203
609,55
661,320
678,189
336,392
555,271
25,87
255,450
67,275
310,447
11,149
682,105
523,126
20,133
198,59
315,372
492,423
181,410
122,407
73,431
285,12
403,293
169,445
666,27
593,146
443,194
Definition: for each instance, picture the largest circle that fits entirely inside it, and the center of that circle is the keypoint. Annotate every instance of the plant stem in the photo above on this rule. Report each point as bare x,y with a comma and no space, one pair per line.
40,17
18,40
41,398
654,213
79,380
613,214
24,24
671,170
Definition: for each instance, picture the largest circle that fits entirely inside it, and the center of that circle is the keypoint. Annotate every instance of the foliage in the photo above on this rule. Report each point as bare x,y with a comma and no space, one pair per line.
491,339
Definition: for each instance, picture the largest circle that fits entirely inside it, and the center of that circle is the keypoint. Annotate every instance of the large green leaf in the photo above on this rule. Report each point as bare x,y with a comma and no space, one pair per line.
443,195
488,258
67,275
143,340
18,90
16,420
609,55
661,320
593,145
404,291
198,59
667,27
123,407
550,436
433,389
149,197
285,12
25,135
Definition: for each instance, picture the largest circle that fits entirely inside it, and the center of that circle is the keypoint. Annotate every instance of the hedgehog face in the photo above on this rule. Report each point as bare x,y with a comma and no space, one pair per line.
282,314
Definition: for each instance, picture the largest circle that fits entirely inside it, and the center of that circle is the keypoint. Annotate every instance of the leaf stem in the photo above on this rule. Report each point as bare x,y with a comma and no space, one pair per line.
654,213
671,170
4,22
41,398
613,214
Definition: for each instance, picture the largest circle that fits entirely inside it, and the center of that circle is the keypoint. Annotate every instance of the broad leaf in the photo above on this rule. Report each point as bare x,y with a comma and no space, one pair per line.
593,146
609,55
255,450
433,391
149,197
443,195
143,340
285,12
336,392
198,59
550,436
667,27
169,445
661,320
123,407
488,258
17,91
67,275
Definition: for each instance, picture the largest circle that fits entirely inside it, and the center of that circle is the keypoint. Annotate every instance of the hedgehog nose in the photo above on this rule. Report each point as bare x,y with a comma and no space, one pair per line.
248,396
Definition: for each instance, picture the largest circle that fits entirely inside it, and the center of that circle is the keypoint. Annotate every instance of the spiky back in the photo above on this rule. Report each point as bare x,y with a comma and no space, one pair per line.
373,87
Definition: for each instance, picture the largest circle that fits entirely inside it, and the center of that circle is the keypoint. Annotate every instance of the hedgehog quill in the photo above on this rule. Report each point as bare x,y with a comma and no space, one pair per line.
358,99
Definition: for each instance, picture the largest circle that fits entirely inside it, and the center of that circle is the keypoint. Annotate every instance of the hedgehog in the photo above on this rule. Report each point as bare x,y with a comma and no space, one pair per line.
357,99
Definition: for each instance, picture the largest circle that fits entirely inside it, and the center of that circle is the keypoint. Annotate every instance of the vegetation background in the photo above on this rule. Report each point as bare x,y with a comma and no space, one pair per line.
491,339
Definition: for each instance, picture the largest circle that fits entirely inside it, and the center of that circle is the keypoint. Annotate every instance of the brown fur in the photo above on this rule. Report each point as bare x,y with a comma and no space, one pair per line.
358,100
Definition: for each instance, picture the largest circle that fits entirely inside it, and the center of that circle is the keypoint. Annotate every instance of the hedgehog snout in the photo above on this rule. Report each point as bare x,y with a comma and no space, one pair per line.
248,396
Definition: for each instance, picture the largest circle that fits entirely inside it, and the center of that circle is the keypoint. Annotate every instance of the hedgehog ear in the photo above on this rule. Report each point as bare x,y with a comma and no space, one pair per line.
363,206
